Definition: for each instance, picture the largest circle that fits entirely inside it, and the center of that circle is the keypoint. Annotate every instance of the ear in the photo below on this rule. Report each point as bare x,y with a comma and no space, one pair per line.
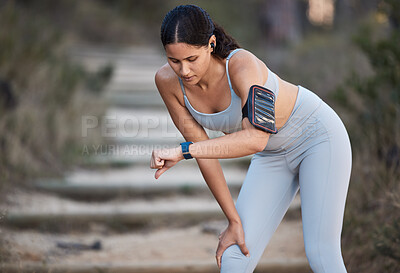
213,40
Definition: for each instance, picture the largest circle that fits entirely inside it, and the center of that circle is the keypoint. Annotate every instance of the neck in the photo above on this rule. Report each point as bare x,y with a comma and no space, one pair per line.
215,72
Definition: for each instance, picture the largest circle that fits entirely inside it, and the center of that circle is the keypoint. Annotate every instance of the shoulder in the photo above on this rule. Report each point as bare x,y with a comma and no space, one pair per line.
245,69
167,82
165,77
243,58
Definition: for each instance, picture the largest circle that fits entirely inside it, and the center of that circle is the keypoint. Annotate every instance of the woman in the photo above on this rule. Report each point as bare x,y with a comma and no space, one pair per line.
206,83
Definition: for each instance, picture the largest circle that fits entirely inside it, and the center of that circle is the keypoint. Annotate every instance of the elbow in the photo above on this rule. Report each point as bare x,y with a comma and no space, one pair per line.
256,139
259,142
259,147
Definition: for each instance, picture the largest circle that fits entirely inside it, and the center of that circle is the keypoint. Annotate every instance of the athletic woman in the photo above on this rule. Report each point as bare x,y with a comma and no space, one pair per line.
205,84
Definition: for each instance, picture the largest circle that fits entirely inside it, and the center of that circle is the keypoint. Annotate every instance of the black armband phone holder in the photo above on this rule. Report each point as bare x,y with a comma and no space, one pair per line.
260,108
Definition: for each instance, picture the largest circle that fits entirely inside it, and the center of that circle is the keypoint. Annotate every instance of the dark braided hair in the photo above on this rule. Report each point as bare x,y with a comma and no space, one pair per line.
192,25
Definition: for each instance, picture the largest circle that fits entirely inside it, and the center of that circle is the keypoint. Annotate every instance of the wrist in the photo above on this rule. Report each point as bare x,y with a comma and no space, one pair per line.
235,221
185,149
179,152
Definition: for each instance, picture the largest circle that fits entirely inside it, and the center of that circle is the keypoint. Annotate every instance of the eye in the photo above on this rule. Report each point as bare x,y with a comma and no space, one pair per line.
175,61
192,60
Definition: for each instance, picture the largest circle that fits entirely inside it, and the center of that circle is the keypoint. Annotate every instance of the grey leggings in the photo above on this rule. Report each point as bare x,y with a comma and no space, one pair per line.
312,152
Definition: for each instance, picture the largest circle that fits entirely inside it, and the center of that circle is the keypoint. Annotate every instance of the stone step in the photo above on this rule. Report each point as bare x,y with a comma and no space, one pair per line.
54,213
188,249
132,78
141,56
135,74
133,124
135,181
39,210
142,95
268,266
133,70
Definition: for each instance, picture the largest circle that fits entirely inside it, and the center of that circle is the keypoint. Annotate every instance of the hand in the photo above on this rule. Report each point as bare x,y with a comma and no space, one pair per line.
164,159
232,235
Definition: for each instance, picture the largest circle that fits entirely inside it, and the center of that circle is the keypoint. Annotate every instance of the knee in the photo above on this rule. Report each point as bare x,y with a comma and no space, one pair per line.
233,261
313,256
324,257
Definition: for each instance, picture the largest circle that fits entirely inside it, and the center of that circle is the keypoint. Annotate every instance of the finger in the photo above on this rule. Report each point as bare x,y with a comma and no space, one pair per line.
156,163
219,253
160,171
152,161
219,261
159,162
244,249
156,166
221,234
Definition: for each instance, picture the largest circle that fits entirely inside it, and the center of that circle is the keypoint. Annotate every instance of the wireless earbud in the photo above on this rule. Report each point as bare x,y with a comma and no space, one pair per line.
212,46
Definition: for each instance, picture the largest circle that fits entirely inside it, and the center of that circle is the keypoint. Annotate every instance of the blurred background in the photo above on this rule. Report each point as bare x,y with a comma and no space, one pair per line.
80,115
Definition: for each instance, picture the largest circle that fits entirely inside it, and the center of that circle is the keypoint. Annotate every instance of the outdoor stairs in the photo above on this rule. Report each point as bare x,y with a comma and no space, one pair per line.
143,224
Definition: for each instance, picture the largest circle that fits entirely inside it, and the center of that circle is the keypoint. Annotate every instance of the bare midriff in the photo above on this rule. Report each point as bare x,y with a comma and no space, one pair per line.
285,102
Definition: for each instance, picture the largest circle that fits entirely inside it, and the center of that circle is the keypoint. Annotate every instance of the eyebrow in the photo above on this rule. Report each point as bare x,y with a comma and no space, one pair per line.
184,58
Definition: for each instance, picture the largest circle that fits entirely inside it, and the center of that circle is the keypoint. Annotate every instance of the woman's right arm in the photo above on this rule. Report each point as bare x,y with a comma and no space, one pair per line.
210,168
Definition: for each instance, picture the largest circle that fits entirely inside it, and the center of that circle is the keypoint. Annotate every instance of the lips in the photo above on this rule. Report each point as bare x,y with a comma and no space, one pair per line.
188,78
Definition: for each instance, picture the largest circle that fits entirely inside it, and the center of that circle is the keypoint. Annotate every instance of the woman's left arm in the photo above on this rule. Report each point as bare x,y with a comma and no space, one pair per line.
245,70
245,142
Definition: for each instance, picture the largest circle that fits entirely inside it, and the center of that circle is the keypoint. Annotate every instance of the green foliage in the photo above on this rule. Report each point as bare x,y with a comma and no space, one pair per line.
371,231
388,240
42,96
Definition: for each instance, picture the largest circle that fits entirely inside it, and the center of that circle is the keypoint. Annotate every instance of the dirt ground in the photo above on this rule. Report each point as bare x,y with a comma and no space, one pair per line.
161,245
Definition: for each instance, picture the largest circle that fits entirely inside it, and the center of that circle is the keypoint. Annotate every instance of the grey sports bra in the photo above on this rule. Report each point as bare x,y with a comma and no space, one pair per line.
230,119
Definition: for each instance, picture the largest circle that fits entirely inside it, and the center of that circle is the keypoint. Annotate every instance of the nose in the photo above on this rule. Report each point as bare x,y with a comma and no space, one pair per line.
184,69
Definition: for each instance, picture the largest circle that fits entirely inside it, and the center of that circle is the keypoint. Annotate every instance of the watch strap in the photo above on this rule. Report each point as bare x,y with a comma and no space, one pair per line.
185,149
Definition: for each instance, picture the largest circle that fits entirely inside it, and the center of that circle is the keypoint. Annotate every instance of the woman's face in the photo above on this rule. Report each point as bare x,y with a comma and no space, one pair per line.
189,62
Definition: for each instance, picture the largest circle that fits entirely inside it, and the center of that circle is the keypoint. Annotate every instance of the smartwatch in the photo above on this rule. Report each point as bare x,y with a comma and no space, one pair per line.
185,149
